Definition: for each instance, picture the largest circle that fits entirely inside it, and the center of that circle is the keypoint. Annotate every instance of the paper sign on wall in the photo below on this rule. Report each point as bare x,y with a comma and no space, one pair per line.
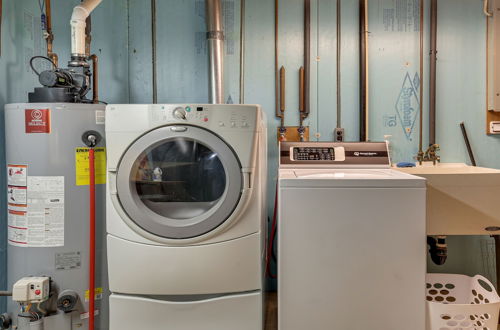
83,169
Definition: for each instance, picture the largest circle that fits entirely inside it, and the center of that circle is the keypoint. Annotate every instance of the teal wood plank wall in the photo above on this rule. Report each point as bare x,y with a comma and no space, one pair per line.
122,39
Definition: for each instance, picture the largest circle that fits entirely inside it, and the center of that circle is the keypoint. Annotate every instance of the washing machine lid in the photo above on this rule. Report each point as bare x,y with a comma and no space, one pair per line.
179,181
354,178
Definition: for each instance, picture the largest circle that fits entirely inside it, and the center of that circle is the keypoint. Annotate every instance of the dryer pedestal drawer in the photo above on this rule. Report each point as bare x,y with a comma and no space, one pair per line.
230,312
226,267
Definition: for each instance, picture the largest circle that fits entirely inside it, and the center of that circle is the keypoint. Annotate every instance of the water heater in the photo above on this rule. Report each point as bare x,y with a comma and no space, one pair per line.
48,212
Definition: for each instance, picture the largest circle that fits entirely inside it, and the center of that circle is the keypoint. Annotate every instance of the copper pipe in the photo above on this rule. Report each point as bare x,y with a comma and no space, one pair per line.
95,78
420,156
301,92
486,9
276,54
282,96
307,58
432,73
49,38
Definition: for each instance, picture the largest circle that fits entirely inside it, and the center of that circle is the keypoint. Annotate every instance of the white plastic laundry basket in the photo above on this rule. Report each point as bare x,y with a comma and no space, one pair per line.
459,302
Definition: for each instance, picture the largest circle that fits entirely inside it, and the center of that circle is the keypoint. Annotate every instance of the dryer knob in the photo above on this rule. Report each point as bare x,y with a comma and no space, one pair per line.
180,113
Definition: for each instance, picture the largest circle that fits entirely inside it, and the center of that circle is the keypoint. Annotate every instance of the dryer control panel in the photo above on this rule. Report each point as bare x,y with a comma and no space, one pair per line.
328,154
212,116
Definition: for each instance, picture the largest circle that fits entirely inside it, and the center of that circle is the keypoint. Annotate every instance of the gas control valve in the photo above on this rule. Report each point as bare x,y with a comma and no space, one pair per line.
31,290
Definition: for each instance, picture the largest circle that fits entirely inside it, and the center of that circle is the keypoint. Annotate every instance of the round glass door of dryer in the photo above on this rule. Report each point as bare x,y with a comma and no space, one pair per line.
179,182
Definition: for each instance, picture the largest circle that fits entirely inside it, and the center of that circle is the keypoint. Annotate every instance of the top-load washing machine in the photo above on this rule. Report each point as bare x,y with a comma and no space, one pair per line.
351,239
186,216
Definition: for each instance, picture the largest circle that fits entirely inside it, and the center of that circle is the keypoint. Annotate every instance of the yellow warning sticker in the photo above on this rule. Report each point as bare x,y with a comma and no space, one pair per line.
82,166
97,294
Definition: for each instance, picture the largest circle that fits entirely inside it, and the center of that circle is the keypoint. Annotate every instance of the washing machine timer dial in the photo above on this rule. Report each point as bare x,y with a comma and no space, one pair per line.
180,113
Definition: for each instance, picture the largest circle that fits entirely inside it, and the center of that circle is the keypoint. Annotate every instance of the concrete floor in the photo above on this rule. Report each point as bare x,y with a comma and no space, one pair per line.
272,311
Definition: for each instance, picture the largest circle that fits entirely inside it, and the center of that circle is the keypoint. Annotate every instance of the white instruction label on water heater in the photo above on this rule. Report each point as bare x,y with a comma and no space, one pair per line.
41,222
16,175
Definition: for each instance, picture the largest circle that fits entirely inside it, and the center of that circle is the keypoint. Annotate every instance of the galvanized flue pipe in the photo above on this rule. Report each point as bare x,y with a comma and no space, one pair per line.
215,41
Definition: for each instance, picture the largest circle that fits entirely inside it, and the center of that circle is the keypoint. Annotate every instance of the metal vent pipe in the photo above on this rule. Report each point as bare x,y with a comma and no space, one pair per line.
215,43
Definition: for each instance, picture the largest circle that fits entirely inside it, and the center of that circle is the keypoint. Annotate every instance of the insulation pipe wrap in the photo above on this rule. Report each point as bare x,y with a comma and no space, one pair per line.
215,39
80,14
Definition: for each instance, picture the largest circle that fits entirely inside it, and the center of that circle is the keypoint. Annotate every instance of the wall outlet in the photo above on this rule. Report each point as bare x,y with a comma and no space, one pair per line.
338,135
494,127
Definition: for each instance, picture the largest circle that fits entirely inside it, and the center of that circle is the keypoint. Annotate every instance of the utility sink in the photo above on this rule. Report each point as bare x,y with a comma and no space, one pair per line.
461,199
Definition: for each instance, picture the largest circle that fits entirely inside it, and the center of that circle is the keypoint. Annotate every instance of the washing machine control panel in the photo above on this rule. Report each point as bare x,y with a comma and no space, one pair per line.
313,153
334,154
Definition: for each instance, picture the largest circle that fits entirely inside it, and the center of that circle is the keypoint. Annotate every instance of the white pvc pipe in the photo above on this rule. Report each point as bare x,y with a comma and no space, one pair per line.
80,14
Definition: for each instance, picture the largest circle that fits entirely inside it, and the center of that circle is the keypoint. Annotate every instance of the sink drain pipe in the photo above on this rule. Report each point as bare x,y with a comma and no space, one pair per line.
438,249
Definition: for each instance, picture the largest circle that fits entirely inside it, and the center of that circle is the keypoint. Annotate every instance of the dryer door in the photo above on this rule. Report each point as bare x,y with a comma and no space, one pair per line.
179,181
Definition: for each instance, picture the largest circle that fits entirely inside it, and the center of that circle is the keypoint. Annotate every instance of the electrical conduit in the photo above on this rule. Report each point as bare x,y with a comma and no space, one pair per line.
78,24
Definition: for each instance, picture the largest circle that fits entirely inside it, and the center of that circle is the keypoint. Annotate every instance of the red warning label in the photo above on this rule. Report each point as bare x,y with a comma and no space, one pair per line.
37,120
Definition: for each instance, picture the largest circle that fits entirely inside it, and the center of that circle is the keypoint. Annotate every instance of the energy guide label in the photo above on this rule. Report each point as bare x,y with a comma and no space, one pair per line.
82,166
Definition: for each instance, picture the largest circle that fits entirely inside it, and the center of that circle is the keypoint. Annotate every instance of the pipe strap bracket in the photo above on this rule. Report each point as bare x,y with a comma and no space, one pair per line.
217,35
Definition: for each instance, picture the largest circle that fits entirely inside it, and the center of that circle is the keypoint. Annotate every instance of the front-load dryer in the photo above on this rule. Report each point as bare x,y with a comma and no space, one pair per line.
186,216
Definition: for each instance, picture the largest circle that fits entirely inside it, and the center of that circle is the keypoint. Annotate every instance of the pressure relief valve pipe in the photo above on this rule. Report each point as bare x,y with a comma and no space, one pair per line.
91,139
78,24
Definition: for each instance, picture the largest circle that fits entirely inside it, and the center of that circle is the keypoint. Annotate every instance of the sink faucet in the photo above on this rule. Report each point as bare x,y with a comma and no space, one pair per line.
431,155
